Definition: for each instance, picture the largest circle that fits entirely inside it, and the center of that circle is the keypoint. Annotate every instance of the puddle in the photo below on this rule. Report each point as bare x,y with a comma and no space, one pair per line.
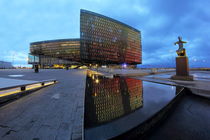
109,99
116,105
16,75
56,96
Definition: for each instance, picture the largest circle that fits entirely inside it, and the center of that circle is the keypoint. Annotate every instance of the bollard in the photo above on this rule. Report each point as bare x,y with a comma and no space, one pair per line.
36,68
23,88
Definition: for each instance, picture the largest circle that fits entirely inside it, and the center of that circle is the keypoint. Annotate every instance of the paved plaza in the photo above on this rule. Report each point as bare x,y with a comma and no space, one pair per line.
57,111
51,113
190,118
200,85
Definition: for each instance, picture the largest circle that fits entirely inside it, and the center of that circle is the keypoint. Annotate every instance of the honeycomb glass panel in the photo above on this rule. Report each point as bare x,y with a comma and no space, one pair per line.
105,40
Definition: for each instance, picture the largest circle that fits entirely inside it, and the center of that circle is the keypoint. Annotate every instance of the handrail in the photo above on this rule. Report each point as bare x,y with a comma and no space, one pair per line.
22,86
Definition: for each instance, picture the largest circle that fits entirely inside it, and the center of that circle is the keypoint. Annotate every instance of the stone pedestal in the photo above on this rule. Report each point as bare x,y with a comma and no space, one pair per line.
182,69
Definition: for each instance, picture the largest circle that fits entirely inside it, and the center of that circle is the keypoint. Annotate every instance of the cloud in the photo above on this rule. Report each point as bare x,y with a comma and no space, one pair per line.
24,21
16,57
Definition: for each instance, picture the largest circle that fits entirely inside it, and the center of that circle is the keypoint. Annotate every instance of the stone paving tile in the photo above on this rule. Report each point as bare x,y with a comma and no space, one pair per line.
54,112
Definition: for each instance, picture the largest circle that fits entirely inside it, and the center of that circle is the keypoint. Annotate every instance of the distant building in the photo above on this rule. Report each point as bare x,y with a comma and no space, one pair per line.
55,52
5,65
103,41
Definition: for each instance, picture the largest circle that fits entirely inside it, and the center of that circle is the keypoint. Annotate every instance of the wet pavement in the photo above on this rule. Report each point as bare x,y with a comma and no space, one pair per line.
200,85
131,72
198,75
188,121
114,106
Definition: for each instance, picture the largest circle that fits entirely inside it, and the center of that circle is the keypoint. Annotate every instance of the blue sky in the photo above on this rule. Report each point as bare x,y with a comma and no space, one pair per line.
160,21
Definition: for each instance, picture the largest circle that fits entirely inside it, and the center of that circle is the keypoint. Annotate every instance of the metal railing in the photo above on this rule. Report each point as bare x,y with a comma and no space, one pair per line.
23,86
10,91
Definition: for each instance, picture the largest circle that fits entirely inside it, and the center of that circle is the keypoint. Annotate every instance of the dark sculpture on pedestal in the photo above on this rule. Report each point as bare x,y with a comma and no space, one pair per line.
182,65
181,51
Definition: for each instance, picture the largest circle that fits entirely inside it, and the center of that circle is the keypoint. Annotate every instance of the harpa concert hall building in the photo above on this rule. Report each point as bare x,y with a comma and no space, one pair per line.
103,41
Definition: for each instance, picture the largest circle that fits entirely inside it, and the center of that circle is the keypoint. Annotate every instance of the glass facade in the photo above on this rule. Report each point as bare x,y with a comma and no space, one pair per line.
56,51
102,41
105,40
32,59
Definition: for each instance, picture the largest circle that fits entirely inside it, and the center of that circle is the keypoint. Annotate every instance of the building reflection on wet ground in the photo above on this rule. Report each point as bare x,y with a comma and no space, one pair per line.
116,105
108,99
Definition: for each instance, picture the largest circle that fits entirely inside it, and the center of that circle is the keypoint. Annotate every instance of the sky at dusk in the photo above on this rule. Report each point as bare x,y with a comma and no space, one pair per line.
160,23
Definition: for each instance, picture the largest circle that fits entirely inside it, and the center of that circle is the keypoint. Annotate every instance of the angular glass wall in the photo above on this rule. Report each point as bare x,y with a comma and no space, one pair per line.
105,40
65,49
32,59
